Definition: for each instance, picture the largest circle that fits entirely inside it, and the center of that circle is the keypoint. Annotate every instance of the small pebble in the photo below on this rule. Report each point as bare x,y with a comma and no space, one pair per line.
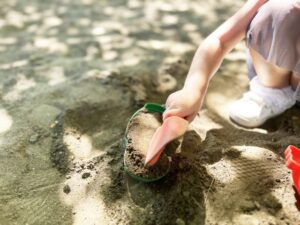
66,189
85,175
34,138
90,167
78,170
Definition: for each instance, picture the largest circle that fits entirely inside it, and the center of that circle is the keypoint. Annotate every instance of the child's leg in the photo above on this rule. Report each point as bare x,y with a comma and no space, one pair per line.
295,79
272,38
270,75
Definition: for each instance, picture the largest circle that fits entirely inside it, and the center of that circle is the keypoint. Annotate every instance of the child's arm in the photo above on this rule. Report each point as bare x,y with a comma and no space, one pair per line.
207,59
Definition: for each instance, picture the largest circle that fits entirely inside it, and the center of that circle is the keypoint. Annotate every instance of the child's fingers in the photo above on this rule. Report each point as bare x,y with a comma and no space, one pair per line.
191,117
173,112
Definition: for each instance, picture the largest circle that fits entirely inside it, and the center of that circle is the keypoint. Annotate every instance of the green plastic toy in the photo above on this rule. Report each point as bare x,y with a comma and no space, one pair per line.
151,107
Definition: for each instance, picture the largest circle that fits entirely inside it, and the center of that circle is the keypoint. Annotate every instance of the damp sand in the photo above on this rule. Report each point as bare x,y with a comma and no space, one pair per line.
139,134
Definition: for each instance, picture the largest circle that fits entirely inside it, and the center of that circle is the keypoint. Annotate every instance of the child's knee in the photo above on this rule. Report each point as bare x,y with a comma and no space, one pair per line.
276,8
274,33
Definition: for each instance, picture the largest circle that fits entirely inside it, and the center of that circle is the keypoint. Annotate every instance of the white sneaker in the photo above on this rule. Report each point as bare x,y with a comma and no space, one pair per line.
260,104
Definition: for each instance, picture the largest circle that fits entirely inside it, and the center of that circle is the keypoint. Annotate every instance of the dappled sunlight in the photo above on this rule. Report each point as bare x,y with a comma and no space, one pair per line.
195,37
255,162
55,75
236,56
52,45
134,4
8,41
73,40
92,52
203,123
222,171
109,55
219,102
259,130
2,48
30,9
90,211
238,53
98,30
246,163
5,121
16,64
79,145
170,20
140,92
78,188
174,6
76,191
84,22
112,26
130,61
87,2
189,27
103,74
246,183
22,85
173,47
15,19
52,21
34,16
73,31
165,82
252,152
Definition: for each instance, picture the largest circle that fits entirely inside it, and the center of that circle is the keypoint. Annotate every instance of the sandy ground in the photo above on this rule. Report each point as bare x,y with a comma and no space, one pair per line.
71,75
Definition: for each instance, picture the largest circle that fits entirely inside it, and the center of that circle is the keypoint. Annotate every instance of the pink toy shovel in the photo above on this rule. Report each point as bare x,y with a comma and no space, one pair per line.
172,128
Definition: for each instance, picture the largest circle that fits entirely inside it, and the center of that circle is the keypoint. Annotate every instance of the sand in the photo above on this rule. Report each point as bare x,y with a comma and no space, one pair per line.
72,73
139,133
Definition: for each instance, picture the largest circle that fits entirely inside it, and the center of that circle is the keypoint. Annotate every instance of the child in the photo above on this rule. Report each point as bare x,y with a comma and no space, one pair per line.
272,31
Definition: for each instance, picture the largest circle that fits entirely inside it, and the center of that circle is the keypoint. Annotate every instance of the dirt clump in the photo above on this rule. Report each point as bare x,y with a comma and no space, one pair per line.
66,189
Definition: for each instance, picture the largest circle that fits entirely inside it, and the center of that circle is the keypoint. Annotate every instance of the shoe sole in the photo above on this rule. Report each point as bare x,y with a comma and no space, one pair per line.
237,120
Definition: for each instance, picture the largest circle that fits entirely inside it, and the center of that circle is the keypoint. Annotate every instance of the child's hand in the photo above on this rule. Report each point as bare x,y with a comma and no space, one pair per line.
183,103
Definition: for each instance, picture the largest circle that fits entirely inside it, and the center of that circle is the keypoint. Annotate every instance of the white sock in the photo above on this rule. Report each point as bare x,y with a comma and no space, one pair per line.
274,97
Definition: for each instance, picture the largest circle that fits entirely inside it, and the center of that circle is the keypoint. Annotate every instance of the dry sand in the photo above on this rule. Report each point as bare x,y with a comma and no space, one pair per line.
71,75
